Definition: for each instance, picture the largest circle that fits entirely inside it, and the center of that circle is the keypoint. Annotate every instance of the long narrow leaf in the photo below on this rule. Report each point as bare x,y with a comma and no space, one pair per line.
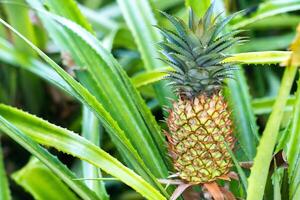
87,99
260,169
71,143
264,57
269,8
245,123
41,182
277,181
265,105
293,150
140,19
91,131
28,82
149,77
4,189
49,74
101,74
52,163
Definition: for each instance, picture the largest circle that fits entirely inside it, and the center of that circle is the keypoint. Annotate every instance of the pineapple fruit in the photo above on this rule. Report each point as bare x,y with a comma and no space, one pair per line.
199,122
198,129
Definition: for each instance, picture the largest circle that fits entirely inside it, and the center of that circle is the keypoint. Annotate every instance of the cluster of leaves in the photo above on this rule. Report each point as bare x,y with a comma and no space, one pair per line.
111,86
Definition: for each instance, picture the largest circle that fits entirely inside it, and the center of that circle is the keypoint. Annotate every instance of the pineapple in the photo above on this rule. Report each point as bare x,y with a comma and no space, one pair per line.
199,122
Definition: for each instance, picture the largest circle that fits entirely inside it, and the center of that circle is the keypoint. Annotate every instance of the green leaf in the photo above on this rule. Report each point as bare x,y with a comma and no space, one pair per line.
260,169
264,57
293,149
140,19
43,184
267,9
15,11
277,181
4,187
91,131
66,141
265,105
268,43
100,21
73,13
51,162
78,91
11,56
240,171
281,21
239,100
149,77
102,75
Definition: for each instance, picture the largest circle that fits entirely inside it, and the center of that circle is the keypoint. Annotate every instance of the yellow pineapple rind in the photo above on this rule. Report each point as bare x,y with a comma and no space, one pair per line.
198,129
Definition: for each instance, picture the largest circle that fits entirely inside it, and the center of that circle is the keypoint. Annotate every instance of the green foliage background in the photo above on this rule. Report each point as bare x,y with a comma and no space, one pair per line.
92,67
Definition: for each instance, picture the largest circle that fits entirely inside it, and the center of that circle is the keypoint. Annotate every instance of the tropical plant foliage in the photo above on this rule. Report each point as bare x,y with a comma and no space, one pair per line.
83,97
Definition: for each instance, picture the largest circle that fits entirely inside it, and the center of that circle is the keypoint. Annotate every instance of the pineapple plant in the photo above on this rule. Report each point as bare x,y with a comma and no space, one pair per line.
199,121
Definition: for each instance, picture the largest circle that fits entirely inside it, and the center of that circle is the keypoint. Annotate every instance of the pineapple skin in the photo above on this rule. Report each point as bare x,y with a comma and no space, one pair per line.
198,128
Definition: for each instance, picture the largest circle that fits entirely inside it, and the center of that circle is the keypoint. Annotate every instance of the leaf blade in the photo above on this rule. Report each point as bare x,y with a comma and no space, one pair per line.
41,183
4,187
69,142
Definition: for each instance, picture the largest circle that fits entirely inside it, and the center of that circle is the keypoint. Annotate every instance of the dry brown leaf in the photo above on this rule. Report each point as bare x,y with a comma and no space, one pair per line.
214,190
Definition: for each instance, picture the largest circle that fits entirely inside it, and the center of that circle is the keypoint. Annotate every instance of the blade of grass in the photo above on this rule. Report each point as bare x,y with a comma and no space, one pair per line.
59,7
264,57
39,68
241,173
78,91
41,182
71,143
293,149
140,19
9,55
267,9
277,181
281,21
268,43
14,11
99,21
4,187
52,163
149,77
265,105
260,169
91,131
101,74
28,82
239,100
48,74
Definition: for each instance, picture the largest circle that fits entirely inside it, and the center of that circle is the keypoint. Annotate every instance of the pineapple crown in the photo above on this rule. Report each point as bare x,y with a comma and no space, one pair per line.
196,51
